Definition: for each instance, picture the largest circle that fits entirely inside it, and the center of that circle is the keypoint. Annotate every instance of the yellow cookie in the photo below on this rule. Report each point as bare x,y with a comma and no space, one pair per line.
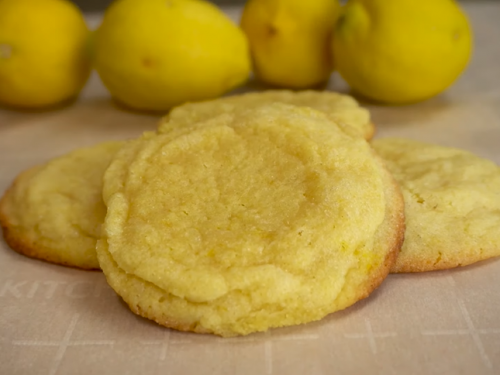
452,200
342,109
250,220
54,211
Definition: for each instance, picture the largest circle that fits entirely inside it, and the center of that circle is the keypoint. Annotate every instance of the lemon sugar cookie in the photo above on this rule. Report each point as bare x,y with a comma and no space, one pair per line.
343,109
452,200
54,211
250,220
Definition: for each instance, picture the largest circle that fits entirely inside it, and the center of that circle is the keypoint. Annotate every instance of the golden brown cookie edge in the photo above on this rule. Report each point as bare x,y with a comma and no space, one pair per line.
24,246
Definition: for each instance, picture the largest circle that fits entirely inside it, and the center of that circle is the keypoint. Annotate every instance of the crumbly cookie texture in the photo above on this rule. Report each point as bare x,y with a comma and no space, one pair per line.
253,219
343,109
452,200
54,211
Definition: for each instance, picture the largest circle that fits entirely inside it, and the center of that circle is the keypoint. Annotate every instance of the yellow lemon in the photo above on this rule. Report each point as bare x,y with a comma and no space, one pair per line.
155,54
43,52
401,51
290,40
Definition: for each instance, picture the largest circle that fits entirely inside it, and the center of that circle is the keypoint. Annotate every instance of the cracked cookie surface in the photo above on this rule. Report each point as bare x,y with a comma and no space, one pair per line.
54,211
452,204
263,218
341,108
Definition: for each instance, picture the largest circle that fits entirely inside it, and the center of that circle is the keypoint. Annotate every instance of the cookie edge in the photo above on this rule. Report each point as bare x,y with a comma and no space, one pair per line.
24,246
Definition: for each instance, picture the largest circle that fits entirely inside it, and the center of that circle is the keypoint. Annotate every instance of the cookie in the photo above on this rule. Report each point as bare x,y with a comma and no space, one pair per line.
343,109
452,200
253,219
54,211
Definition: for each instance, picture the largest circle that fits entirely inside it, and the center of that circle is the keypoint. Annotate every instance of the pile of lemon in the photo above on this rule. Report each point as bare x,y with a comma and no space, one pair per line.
155,54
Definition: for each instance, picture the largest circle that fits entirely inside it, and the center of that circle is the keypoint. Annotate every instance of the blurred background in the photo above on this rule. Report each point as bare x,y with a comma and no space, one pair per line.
96,5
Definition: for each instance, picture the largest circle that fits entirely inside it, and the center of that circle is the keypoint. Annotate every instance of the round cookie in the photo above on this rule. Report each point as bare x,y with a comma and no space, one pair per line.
262,218
343,109
54,211
452,201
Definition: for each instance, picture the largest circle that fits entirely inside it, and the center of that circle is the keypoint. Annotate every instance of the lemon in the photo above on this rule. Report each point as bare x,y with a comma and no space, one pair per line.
155,54
43,52
401,51
290,40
